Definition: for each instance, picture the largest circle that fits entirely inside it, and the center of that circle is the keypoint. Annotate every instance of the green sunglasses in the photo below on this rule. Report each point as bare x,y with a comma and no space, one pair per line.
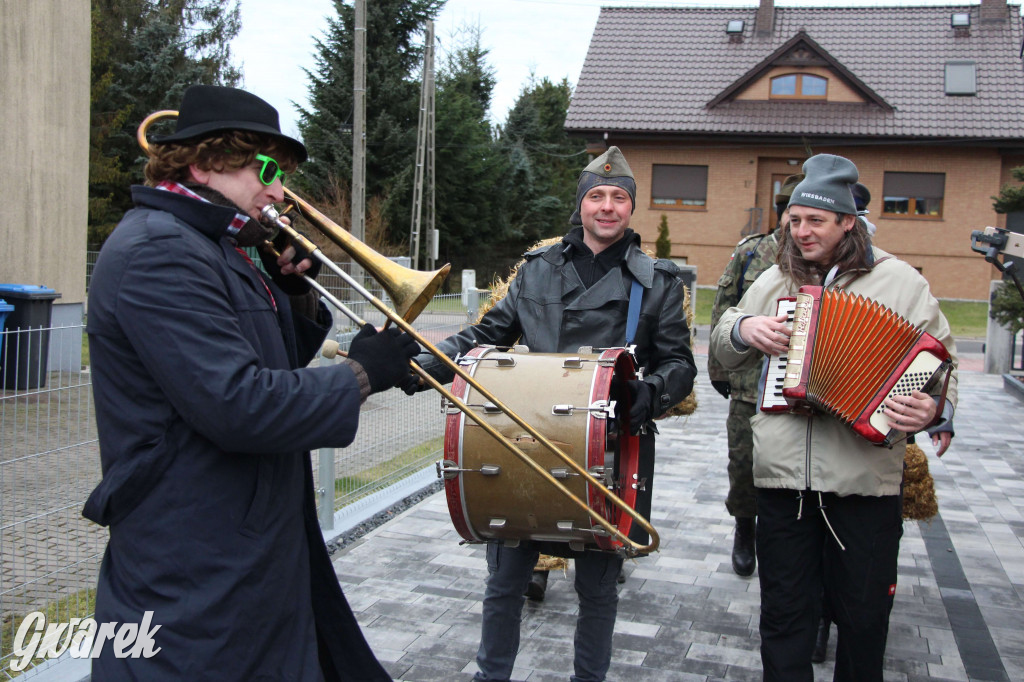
270,171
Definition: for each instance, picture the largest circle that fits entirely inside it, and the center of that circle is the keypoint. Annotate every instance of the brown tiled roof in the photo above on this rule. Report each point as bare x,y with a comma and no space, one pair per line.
656,70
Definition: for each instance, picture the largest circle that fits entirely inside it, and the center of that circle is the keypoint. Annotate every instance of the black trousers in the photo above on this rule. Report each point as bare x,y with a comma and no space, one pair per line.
799,560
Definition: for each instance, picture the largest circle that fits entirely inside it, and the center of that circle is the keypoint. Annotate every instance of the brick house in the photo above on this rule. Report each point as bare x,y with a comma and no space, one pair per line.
713,108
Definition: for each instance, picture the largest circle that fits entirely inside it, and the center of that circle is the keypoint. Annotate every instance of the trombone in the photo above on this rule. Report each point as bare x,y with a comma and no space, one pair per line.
410,291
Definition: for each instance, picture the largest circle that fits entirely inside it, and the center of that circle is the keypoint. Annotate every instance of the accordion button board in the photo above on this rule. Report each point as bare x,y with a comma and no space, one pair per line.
920,371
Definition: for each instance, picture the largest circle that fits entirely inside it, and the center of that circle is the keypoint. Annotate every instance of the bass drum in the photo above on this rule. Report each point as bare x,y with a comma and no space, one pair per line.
570,399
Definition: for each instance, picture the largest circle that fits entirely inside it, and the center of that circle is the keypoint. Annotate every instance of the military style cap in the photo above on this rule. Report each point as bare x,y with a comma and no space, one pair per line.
788,185
608,169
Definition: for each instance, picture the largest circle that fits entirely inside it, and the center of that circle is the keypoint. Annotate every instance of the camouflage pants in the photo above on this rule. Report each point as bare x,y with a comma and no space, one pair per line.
741,501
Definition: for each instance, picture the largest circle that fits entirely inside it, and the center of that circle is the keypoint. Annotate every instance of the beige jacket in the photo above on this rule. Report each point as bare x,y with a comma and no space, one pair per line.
819,452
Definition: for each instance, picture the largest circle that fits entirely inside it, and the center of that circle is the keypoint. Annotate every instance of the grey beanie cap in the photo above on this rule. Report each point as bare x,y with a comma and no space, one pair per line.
608,169
827,184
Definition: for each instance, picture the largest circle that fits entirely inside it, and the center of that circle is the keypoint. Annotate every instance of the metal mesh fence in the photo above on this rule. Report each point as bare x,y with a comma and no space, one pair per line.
49,458
49,463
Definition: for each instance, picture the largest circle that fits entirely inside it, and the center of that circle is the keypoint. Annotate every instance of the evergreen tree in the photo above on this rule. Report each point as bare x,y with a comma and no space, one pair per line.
1007,307
543,163
393,62
467,167
144,54
663,244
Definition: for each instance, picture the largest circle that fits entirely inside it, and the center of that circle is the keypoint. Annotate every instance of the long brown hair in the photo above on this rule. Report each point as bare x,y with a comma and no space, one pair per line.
227,151
853,252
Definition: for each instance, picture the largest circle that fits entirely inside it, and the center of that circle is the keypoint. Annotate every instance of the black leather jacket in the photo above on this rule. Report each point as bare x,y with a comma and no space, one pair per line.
548,309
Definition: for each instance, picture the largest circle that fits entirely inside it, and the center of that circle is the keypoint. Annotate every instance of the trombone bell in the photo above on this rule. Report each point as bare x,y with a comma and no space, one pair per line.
409,290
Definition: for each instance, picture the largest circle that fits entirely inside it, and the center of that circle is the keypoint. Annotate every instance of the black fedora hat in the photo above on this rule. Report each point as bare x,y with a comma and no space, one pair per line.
209,109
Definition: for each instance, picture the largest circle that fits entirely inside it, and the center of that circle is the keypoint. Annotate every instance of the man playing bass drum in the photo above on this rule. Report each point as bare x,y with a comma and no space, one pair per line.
572,294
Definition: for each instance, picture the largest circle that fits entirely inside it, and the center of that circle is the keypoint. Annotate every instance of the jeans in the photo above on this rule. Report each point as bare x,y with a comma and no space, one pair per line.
509,570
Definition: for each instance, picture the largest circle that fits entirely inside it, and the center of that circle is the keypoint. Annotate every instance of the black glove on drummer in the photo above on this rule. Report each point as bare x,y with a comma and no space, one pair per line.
413,384
723,388
384,356
642,398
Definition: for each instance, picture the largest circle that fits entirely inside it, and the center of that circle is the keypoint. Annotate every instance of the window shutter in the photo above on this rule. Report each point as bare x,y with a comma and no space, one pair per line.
916,185
679,182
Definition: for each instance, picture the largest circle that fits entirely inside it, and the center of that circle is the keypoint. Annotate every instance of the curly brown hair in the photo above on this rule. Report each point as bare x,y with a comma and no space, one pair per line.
850,254
226,151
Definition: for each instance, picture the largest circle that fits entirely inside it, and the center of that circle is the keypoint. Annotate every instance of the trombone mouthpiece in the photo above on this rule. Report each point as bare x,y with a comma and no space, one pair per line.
269,215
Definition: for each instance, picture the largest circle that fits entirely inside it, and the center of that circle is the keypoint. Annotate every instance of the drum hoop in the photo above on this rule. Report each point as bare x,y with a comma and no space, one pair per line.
628,451
455,427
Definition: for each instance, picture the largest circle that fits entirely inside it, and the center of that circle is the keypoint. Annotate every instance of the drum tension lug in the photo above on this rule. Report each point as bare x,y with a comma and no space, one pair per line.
603,409
641,484
448,469
562,472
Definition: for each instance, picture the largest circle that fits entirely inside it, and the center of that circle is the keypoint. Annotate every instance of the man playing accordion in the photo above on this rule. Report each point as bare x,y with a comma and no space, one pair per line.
829,502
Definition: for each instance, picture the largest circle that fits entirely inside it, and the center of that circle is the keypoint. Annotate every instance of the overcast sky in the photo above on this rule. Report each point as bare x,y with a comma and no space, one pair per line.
546,37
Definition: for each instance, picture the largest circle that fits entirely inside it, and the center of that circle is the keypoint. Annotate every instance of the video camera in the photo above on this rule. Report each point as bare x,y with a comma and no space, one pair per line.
993,241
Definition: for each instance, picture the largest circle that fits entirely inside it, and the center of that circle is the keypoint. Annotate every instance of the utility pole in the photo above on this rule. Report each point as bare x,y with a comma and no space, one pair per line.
424,160
359,132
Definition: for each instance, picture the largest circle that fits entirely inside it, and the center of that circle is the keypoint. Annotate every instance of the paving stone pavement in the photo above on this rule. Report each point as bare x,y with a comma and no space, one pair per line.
683,614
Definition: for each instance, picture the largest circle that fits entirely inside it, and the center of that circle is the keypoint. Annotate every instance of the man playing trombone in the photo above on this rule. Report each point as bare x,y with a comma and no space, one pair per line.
572,294
206,413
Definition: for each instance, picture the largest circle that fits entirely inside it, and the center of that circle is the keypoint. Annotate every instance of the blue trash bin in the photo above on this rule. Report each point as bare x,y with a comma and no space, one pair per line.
5,308
28,335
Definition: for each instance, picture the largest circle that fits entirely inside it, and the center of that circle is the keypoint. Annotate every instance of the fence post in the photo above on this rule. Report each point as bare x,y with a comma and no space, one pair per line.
998,342
325,456
326,491
473,303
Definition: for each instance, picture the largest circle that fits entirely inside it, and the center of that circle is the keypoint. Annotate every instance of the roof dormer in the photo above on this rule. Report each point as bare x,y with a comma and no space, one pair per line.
800,70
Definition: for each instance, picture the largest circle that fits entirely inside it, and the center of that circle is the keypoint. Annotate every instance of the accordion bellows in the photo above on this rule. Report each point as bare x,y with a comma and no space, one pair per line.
847,354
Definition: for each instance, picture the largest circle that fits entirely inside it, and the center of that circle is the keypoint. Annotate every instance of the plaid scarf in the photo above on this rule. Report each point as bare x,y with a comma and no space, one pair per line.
237,222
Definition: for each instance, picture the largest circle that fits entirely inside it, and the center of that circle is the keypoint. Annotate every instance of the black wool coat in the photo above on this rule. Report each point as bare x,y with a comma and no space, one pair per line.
206,414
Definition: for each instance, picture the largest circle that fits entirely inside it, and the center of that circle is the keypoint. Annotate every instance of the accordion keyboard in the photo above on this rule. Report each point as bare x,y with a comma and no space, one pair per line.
772,398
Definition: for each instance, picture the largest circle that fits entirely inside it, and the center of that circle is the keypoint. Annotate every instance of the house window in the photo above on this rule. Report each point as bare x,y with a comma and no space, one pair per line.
913,195
961,78
679,186
799,86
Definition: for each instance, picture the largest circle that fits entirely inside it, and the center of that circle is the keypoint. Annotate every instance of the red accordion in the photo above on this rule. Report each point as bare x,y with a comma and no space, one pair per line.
846,355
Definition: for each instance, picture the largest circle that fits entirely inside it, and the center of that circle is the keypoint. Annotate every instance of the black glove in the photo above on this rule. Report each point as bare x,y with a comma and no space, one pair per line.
383,356
641,397
413,384
722,387
293,285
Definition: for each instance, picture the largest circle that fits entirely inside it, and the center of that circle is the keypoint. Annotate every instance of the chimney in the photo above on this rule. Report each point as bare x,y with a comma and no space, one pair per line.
992,11
765,21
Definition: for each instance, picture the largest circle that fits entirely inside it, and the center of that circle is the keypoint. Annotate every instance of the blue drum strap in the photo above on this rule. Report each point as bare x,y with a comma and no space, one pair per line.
636,294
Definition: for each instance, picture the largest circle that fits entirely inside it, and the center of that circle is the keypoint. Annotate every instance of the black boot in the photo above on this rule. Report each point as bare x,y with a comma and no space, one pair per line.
743,558
821,642
537,586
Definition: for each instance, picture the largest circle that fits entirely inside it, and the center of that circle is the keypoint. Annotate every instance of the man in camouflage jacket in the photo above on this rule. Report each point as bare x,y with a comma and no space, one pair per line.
753,255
